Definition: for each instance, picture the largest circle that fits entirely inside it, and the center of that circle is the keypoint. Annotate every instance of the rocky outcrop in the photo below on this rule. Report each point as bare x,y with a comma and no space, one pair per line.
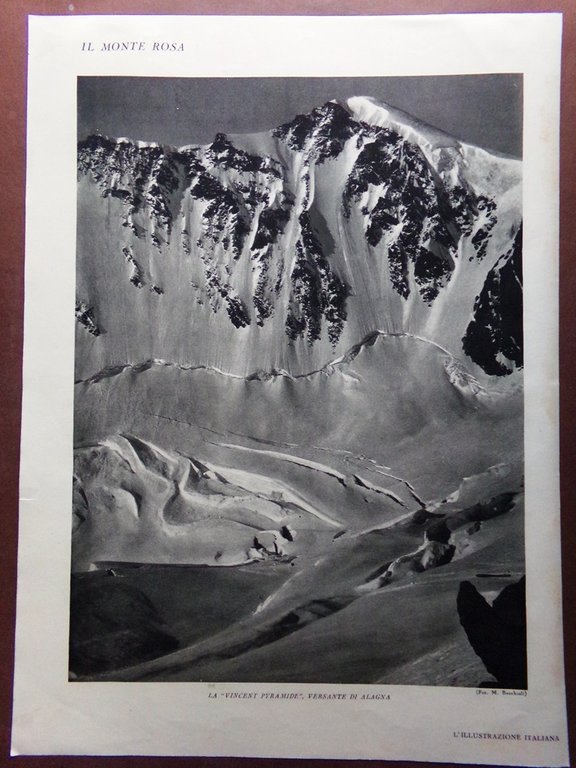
497,632
113,625
86,317
494,338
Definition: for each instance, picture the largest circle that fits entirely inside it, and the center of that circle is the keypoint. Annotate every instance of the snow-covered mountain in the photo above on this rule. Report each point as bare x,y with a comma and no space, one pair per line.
281,251
299,409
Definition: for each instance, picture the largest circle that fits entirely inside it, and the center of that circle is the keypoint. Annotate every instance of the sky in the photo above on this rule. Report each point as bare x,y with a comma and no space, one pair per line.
485,110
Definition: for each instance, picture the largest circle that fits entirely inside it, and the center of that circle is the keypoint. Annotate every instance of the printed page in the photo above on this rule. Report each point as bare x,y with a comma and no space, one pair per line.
290,389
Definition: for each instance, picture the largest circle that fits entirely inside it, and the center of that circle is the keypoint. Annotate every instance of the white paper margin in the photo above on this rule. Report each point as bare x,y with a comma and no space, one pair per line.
53,716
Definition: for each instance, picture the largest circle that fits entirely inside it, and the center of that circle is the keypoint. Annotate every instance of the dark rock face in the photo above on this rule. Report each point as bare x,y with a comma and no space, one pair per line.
481,237
322,133
224,154
497,633
317,292
496,329
113,625
135,175
432,216
424,216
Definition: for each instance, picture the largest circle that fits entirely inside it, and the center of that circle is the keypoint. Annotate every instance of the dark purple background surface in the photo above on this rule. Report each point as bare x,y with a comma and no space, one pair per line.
13,15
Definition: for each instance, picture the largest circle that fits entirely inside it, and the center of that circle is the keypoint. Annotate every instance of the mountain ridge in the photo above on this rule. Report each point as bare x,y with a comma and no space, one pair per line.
327,369
362,108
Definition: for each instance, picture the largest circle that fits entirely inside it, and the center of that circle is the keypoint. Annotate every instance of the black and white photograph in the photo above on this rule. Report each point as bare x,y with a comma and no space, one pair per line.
289,478
298,391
